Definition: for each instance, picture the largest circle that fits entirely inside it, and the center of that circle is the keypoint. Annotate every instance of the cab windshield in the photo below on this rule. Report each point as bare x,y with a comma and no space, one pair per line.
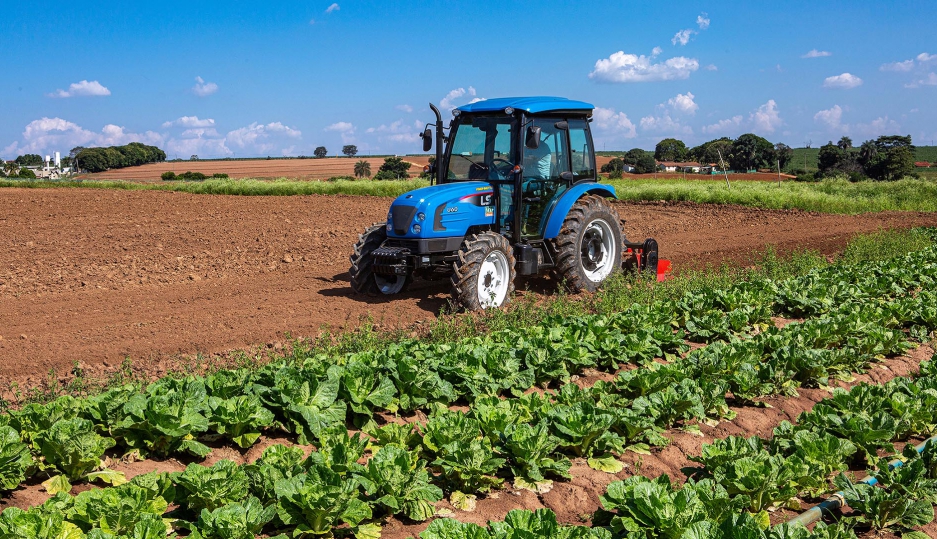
483,148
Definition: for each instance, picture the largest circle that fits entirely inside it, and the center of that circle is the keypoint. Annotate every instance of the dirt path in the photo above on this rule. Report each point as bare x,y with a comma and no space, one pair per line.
97,276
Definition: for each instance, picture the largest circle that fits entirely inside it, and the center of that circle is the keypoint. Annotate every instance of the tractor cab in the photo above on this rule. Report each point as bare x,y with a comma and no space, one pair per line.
514,191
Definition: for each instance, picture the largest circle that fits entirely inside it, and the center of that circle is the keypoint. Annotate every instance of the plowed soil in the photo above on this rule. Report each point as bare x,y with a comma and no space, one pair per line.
96,276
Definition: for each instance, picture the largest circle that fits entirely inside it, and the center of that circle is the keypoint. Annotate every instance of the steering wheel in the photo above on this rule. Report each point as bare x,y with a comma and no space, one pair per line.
502,174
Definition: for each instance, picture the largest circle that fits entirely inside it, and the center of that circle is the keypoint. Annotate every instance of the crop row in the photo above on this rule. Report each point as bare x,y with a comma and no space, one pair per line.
72,435
727,497
531,436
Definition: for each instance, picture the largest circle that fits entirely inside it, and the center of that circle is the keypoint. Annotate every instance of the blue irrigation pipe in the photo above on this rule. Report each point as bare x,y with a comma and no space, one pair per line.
838,500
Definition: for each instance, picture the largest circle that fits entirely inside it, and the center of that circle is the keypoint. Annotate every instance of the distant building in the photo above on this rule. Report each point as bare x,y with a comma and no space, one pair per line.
690,167
922,164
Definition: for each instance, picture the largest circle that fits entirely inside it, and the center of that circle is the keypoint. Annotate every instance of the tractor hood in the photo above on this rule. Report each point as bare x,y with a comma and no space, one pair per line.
441,211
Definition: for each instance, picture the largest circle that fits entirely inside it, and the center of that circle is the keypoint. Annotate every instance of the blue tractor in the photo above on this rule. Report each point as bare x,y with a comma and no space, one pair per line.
514,191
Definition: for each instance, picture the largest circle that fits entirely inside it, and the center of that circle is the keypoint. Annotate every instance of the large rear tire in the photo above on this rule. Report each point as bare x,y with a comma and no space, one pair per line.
483,276
589,244
363,278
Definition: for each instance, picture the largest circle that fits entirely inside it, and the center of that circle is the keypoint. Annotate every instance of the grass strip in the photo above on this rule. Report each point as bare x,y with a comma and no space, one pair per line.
828,196
242,187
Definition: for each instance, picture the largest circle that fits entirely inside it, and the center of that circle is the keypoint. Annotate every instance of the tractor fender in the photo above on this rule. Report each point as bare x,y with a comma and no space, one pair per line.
566,201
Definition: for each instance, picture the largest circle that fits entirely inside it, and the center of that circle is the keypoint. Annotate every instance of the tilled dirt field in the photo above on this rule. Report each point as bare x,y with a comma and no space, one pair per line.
95,276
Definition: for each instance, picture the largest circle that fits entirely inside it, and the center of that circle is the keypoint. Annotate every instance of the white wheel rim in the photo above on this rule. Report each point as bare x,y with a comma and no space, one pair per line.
493,280
389,285
597,250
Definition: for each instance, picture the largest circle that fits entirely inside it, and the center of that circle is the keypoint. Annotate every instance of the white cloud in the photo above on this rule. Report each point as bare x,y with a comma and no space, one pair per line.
341,127
83,88
656,50
878,127
665,124
703,21
312,21
613,123
831,117
683,103
711,67
397,132
405,108
257,137
682,37
203,88
448,102
730,125
817,54
621,67
56,134
200,132
189,121
346,129
332,8
907,65
929,80
845,81
767,118
924,57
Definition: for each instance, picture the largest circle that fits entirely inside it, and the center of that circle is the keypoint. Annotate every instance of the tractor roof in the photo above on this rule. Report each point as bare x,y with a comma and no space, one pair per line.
532,105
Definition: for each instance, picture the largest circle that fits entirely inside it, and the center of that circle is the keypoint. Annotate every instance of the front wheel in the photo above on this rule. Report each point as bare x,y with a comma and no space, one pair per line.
483,276
589,244
363,278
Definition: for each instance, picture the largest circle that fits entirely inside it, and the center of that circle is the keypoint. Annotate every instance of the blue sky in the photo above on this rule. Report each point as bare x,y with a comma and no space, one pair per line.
280,78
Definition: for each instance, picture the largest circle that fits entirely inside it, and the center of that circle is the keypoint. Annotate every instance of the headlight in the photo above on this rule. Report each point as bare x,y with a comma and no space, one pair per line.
417,229
390,227
421,217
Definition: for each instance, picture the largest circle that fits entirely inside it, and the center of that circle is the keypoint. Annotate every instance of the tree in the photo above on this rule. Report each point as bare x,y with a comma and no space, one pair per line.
394,168
75,151
10,168
193,157
645,164
633,156
362,169
29,160
709,152
830,158
26,174
750,152
887,158
350,150
320,152
844,143
670,149
783,154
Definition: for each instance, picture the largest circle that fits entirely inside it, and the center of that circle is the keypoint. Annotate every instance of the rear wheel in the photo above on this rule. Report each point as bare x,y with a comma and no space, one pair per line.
483,276
589,244
363,278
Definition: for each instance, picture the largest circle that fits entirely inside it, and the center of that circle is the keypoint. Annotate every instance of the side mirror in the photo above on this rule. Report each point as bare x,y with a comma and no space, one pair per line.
562,125
532,141
427,137
567,176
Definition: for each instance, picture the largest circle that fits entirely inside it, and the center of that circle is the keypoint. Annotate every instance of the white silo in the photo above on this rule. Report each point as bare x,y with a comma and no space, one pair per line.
47,161
58,160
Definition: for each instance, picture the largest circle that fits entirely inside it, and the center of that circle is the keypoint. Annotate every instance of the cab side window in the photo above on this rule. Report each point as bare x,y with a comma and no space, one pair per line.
581,151
550,159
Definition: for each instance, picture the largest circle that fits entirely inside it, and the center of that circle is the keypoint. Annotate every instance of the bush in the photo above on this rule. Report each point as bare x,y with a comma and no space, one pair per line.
615,174
27,174
341,178
394,168
858,177
189,176
220,176
807,177
168,176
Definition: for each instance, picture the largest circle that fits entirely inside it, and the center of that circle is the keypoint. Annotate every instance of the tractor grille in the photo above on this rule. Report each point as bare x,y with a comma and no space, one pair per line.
402,216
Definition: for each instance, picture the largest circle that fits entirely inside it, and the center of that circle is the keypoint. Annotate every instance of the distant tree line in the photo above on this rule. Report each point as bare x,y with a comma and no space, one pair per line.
748,152
886,158
129,155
